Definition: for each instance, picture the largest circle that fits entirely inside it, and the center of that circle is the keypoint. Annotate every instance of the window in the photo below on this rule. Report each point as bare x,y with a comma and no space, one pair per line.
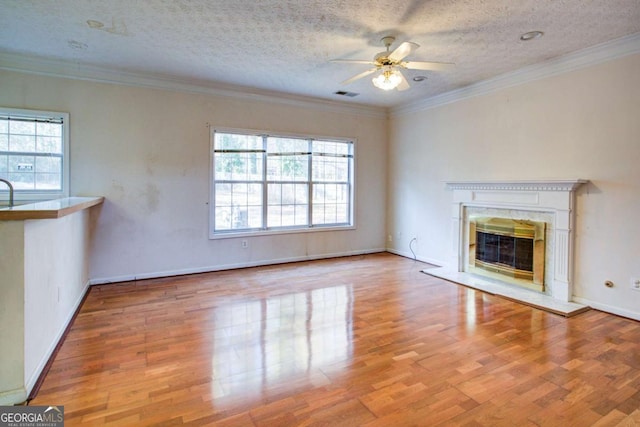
264,183
33,153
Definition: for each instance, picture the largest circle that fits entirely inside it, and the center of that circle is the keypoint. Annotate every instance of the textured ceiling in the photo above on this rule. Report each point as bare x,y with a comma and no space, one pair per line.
285,45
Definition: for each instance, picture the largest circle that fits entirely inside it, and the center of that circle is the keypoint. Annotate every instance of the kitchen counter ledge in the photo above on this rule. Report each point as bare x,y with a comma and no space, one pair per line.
49,209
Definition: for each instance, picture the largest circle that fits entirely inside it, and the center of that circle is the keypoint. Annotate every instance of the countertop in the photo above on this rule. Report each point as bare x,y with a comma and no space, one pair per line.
49,209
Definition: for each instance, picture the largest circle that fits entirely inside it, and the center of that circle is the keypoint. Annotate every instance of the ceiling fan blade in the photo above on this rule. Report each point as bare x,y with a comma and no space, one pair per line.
353,61
404,85
418,65
403,50
359,76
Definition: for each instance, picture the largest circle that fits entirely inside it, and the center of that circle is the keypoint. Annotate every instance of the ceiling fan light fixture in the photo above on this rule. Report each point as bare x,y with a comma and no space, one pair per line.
387,80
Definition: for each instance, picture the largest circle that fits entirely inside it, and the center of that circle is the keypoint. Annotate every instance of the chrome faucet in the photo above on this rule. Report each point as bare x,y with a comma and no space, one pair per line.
10,191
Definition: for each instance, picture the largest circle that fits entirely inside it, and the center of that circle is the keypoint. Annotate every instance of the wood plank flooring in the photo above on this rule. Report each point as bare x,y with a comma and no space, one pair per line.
365,340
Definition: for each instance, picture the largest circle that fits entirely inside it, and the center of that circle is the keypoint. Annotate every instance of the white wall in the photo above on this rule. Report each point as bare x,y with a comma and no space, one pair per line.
581,124
56,277
44,275
147,151
12,387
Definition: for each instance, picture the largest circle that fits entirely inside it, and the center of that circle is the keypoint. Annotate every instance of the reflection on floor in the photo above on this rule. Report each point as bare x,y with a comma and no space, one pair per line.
365,340
259,342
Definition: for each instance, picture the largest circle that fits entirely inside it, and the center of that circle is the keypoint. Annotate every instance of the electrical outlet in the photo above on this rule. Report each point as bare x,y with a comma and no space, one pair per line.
635,283
390,238
245,244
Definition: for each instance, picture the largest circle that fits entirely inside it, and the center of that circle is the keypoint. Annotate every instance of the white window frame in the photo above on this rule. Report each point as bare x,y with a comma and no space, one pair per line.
22,195
226,234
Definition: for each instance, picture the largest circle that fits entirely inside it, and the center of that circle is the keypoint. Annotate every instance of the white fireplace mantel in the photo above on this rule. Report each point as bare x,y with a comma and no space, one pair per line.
553,198
548,185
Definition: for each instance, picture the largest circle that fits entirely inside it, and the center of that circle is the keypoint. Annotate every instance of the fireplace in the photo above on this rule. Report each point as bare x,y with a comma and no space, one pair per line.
508,249
514,237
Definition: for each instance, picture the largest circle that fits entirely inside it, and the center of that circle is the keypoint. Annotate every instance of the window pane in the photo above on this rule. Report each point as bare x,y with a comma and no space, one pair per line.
22,163
48,174
274,216
238,166
330,204
240,218
288,159
333,169
287,145
49,164
22,181
287,205
332,147
230,141
48,181
238,206
342,213
292,215
22,128
4,141
254,214
330,193
288,168
4,166
331,161
223,218
24,143
49,129
301,214
49,144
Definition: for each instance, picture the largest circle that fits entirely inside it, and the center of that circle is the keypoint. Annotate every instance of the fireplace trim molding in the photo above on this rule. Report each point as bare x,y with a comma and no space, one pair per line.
555,197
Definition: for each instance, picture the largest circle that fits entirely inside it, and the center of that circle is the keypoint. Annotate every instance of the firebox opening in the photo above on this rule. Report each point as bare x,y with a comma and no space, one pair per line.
509,250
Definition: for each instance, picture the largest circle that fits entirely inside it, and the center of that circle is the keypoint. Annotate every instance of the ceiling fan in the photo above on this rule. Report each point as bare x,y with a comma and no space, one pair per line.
390,64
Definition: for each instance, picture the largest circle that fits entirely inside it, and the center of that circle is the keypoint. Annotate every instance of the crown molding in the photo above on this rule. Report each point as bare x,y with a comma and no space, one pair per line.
594,55
78,71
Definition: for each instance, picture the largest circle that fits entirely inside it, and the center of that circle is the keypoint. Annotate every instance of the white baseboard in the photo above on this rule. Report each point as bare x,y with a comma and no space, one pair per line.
433,261
608,308
33,378
213,268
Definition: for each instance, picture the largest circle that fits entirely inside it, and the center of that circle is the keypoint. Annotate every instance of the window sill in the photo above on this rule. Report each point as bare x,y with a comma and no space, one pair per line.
241,234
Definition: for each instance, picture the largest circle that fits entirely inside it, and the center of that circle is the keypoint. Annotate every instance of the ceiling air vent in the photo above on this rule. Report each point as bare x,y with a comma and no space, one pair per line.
345,93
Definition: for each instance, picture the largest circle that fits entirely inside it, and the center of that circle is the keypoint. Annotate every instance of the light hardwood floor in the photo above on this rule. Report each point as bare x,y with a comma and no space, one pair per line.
365,340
